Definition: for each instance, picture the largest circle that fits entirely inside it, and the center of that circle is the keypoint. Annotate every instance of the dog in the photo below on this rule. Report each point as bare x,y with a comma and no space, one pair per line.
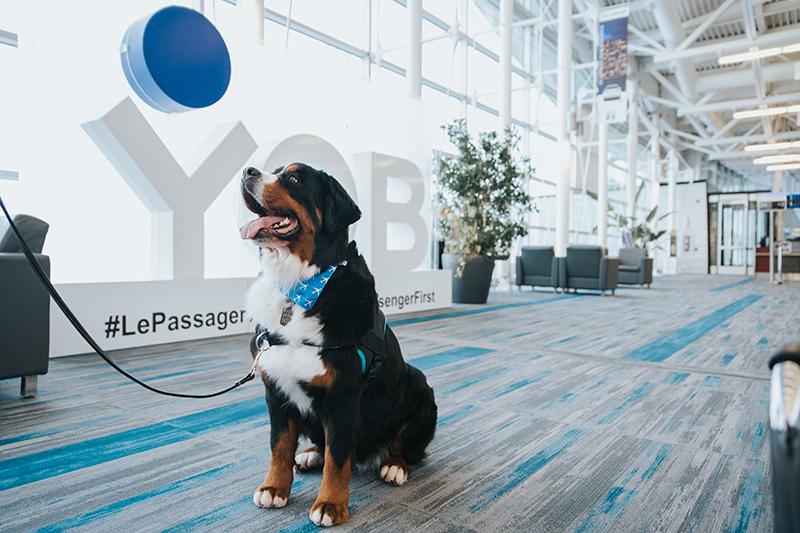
333,370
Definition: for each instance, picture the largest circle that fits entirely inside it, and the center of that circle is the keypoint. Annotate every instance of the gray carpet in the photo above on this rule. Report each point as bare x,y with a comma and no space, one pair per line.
640,412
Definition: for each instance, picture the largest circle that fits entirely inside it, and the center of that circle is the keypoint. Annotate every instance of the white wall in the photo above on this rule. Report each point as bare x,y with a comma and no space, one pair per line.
691,216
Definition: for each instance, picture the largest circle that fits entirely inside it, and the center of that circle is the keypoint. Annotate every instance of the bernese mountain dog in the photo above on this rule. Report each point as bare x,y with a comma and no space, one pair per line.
332,368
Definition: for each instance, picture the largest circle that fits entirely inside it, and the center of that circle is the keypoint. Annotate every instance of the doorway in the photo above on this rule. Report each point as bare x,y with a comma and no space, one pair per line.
733,240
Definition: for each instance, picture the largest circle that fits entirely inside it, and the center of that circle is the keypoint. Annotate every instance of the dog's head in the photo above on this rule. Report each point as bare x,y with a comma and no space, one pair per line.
302,213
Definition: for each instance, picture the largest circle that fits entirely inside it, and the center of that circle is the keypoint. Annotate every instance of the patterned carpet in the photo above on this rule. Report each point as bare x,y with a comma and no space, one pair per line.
640,412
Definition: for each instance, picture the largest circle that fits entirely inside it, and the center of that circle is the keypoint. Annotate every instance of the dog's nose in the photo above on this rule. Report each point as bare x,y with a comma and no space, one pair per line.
251,172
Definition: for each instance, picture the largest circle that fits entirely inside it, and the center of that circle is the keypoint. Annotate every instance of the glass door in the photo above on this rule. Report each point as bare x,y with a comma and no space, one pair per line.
732,233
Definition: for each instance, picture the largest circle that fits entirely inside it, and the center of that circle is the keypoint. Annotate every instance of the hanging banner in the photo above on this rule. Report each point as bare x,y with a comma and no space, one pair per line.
613,60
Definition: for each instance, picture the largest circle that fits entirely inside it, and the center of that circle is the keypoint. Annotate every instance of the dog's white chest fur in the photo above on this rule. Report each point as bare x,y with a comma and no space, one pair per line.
287,365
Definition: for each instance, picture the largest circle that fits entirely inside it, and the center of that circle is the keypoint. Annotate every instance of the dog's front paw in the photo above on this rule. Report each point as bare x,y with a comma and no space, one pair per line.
394,471
268,497
329,514
308,460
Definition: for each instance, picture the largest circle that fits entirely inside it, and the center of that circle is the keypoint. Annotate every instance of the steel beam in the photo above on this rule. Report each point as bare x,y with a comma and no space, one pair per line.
9,38
506,32
773,38
414,48
708,20
564,92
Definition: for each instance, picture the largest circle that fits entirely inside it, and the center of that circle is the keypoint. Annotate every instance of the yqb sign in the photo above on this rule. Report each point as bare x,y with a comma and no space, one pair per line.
182,305
178,201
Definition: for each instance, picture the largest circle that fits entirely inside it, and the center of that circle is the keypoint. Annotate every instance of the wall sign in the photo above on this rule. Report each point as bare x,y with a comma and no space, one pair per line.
176,60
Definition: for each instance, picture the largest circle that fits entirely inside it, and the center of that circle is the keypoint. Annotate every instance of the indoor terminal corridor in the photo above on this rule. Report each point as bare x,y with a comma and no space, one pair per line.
400,266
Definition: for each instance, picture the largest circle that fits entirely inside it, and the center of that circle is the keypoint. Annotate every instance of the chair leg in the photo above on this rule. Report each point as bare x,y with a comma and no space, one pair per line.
28,386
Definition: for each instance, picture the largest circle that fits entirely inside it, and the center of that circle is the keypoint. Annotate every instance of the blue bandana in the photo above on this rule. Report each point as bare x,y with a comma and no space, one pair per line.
306,292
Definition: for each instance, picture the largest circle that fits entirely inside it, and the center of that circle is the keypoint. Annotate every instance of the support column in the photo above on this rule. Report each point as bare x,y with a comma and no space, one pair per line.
655,164
506,20
633,147
777,186
602,185
564,92
672,190
414,71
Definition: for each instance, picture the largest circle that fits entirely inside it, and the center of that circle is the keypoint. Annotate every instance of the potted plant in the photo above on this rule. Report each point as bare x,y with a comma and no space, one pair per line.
482,198
635,233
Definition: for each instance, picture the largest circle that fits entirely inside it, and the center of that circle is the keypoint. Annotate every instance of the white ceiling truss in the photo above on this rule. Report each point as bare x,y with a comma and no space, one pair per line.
679,42
675,47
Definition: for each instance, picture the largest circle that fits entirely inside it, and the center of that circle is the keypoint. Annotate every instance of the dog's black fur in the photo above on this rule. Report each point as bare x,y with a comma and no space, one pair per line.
393,410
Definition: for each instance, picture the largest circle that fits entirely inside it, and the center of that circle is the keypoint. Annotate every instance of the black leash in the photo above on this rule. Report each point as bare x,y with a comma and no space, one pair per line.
88,338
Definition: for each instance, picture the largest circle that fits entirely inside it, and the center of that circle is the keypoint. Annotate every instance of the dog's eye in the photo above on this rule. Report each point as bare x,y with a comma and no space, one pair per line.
292,178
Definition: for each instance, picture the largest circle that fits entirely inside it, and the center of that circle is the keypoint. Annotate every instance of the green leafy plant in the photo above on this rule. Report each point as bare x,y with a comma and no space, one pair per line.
481,193
639,234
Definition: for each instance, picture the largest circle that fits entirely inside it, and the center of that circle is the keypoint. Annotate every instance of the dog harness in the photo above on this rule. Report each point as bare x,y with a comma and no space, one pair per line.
370,348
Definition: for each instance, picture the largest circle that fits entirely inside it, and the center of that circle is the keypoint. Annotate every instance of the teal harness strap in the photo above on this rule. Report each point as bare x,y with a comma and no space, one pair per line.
372,346
363,360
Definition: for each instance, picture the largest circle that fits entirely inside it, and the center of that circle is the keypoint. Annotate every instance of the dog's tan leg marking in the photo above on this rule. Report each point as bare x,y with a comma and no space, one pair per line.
307,460
274,491
394,469
330,508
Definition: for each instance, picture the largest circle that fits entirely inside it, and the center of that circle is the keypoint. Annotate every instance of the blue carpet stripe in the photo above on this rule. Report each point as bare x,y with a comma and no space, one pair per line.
676,378
732,285
474,380
455,415
666,346
618,497
428,362
508,389
210,518
56,461
632,398
748,506
508,481
477,311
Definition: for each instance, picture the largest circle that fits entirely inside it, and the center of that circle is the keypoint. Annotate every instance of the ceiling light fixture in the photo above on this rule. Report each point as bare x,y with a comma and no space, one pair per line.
749,56
791,48
759,54
784,158
790,166
766,112
768,147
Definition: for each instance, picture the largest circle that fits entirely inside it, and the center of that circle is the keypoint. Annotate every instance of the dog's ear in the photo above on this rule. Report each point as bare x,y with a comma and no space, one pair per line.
339,209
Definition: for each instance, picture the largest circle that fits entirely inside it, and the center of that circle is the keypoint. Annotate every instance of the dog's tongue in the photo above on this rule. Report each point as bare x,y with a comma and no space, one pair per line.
249,230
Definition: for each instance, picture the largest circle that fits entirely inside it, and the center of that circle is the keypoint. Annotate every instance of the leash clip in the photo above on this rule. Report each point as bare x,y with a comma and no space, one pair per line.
262,343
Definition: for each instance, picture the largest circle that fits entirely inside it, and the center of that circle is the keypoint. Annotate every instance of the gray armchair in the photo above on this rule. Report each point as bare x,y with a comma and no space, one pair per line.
587,267
635,268
25,313
537,266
